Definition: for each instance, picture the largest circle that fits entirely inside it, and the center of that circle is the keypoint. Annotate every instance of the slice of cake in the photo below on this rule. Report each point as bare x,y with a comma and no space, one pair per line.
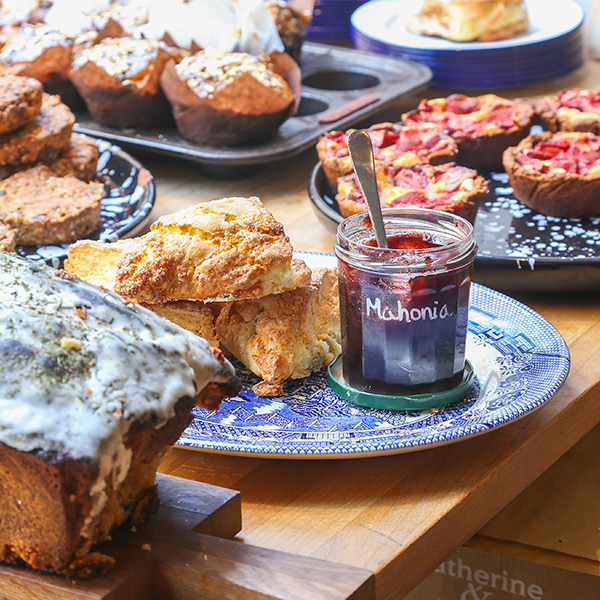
285,336
93,391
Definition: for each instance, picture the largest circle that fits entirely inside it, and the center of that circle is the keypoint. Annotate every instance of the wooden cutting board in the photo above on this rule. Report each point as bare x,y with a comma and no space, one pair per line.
180,554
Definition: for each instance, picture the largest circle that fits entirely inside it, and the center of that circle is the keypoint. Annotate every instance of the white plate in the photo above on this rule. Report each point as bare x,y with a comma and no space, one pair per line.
383,20
519,359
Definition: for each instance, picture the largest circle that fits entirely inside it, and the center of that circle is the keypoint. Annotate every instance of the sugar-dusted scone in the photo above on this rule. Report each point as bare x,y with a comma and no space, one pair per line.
96,263
469,20
227,249
285,336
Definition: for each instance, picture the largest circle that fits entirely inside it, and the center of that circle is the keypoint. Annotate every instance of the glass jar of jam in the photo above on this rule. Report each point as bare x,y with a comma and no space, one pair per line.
404,310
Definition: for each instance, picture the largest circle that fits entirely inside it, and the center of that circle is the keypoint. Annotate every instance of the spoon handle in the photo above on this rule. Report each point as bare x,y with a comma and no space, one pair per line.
361,155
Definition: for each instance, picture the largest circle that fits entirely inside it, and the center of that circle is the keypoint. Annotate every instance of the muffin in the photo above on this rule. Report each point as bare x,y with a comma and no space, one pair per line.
231,98
483,126
119,80
557,174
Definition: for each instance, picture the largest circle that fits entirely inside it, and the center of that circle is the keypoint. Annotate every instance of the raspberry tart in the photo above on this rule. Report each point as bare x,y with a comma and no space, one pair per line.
483,126
571,110
393,143
557,174
447,187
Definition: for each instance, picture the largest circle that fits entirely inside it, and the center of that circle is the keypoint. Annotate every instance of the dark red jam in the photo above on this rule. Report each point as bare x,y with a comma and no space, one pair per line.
404,333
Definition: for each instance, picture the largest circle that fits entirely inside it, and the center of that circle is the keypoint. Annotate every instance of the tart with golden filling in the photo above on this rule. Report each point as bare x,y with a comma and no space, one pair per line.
393,143
483,126
447,187
571,110
557,174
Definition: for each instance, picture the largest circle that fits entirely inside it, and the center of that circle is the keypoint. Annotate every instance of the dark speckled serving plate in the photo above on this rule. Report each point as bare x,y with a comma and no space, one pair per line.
518,248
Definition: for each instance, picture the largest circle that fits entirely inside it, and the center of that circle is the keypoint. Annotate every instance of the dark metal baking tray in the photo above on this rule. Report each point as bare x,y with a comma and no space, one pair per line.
331,78
518,248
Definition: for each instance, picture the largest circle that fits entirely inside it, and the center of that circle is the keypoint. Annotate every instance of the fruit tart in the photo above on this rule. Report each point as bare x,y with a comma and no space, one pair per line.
483,126
231,98
557,174
447,187
571,110
392,143
119,80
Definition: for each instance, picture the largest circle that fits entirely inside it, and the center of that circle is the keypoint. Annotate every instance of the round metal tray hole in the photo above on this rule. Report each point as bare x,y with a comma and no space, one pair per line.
310,106
340,80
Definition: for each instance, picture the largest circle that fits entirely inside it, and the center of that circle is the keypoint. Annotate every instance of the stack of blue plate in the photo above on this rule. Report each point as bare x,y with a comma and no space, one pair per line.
331,21
551,47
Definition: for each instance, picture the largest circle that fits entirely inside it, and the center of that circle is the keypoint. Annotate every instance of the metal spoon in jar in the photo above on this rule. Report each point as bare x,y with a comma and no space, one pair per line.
361,155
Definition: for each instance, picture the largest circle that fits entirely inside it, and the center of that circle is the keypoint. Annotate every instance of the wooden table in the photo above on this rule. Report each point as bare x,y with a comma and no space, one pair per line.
399,516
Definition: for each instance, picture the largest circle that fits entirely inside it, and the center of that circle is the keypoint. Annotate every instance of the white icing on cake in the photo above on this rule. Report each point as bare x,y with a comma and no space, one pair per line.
119,364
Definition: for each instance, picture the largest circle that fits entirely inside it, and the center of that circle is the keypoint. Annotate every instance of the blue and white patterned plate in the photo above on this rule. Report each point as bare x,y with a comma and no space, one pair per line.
519,359
129,195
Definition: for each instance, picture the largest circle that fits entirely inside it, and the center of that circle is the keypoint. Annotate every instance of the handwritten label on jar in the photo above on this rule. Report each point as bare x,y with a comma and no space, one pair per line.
408,315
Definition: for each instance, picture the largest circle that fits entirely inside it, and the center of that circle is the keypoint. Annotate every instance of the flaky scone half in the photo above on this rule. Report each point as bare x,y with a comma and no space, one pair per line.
223,250
284,336
96,263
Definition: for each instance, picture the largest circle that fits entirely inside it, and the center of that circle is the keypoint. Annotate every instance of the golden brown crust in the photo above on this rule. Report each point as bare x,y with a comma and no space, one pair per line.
8,238
222,250
20,101
287,335
243,111
43,138
46,209
555,193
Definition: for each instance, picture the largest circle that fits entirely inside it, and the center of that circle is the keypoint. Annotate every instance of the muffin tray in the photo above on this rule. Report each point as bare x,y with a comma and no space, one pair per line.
340,86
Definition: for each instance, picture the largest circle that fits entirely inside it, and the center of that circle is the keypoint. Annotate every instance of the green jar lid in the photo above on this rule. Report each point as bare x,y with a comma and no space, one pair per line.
415,402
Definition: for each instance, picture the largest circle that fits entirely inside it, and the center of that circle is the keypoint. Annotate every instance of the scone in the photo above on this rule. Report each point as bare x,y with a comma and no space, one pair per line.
231,98
284,336
557,174
468,20
227,249
571,110
96,263
93,393
393,144
483,126
446,187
